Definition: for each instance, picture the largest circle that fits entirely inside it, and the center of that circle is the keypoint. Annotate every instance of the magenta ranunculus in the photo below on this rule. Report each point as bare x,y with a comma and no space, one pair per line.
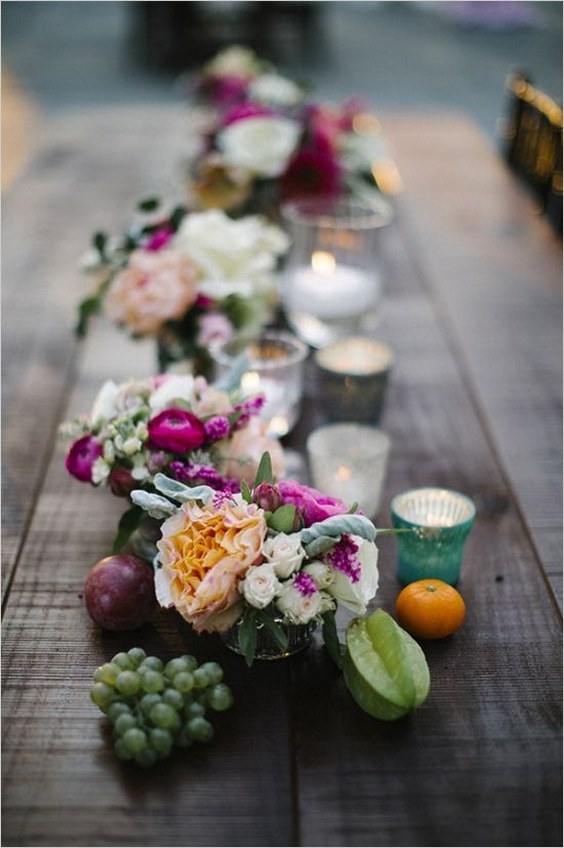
82,456
176,430
160,238
312,504
312,172
245,110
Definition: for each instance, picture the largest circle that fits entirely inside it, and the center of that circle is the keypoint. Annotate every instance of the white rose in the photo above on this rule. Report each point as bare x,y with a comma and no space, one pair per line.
105,404
296,606
175,386
260,585
263,144
100,471
275,90
285,553
356,596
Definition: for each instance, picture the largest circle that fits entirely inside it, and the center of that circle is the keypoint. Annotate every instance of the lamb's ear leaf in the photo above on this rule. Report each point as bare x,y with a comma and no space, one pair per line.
177,491
337,525
155,505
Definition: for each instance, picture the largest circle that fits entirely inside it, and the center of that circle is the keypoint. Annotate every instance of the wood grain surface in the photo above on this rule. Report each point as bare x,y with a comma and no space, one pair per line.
472,309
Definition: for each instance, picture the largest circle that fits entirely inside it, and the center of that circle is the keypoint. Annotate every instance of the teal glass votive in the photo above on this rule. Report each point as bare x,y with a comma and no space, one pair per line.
440,520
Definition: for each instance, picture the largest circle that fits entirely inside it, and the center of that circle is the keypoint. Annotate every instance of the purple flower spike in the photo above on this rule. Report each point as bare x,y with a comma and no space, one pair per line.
176,430
305,584
217,428
343,558
82,456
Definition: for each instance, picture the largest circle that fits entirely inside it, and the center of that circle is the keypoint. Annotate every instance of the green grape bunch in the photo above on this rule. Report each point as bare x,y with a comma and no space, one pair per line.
154,707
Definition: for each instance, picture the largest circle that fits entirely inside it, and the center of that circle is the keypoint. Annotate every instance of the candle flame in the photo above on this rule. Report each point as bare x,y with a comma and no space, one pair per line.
322,263
250,381
343,473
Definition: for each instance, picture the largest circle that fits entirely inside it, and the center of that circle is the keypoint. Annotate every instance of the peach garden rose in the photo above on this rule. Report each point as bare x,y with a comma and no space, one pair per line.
205,552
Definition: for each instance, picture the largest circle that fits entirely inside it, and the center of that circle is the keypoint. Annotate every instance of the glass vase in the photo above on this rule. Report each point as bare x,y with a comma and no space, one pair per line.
299,638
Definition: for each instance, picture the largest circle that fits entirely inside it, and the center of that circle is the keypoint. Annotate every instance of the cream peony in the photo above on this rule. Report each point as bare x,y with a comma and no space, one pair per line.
156,287
205,551
262,144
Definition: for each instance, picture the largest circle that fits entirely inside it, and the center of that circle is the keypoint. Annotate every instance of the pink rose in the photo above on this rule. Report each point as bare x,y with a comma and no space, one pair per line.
176,430
157,286
82,456
313,505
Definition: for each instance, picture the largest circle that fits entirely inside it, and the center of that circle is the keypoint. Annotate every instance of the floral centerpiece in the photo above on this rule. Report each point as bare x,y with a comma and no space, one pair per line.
178,425
260,560
185,278
264,143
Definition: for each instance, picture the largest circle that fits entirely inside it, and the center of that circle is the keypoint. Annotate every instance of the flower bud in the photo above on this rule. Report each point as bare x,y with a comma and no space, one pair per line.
121,482
267,496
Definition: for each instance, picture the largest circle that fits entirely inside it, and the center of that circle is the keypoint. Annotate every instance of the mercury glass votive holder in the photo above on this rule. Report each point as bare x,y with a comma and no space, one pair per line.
273,366
352,377
441,520
349,461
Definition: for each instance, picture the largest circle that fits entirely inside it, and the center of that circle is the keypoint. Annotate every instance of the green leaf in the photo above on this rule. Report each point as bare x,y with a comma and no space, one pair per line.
176,217
354,508
264,471
148,204
246,492
283,519
129,522
86,309
335,648
280,637
248,636
320,546
99,241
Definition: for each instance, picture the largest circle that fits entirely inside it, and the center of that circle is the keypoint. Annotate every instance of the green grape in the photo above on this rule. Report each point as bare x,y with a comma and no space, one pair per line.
194,709
134,740
122,751
174,698
146,757
183,682
152,681
199,728
161,740
107,673
102,695
214,672
124,661
163,715
220,697
148,701
177,665
116,709
137,655
190,661
128,683
201,679
152,662
124,722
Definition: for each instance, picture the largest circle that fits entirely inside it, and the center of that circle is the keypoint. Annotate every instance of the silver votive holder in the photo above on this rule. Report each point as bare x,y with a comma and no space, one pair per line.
352,378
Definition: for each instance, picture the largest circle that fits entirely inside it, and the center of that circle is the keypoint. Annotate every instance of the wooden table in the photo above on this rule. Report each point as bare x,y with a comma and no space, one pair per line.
472,309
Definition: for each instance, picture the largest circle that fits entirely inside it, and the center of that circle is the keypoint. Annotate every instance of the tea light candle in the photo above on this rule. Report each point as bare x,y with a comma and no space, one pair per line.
353,374
327,289
349,461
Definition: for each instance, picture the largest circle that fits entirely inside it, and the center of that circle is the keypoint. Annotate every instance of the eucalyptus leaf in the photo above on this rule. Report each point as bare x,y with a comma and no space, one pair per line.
248,636
264,471
337,525
128,522
86,309
155,505
180,492
232,380
279,635
99,241
283,519
246,492
335,648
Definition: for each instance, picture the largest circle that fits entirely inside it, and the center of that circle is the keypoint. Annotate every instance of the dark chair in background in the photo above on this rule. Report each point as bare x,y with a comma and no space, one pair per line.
532,144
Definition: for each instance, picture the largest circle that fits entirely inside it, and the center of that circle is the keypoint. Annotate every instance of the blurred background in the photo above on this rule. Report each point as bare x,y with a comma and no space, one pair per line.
397,55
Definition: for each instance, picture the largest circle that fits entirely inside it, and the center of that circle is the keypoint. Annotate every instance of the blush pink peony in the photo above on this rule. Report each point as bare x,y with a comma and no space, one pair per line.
157,286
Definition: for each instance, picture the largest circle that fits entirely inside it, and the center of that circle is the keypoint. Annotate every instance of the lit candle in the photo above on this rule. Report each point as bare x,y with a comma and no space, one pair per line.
328,289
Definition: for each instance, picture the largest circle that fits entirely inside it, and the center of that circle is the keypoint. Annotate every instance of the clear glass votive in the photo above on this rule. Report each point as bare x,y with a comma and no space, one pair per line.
273,367
352,376
332,284
442,520
349,461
